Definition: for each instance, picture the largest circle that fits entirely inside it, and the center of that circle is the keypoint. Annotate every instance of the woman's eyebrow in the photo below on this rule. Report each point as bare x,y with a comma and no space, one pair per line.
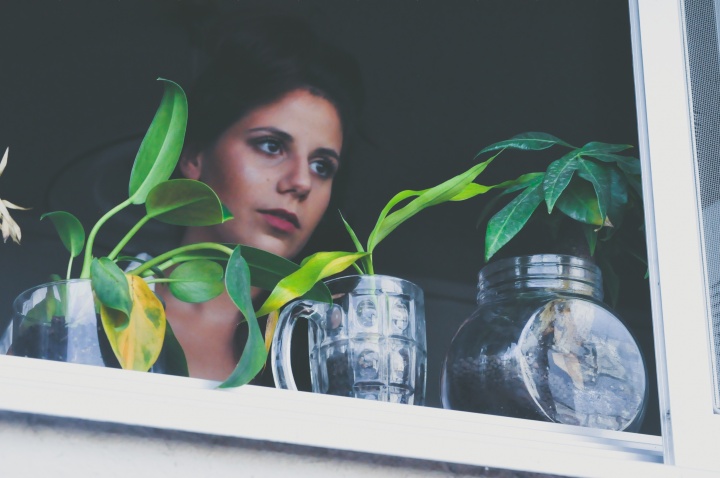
278,132
327,152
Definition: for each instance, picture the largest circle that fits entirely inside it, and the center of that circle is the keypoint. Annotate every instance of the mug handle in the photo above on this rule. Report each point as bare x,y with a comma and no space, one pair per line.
281,367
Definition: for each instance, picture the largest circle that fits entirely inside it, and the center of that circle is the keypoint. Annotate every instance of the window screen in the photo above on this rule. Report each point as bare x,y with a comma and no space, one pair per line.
704,64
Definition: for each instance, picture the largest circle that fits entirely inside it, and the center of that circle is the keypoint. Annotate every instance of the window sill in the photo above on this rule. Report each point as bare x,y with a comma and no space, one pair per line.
258,413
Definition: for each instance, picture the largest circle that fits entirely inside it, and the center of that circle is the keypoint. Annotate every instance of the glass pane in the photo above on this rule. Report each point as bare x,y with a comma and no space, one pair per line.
442,79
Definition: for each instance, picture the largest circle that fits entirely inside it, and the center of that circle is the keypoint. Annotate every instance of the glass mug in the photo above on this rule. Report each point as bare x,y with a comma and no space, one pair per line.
369,343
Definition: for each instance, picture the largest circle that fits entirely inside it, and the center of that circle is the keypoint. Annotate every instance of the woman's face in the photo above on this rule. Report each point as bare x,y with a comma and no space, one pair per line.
273,169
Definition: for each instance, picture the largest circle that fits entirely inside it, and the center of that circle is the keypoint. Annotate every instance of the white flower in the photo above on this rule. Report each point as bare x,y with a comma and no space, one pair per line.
8,227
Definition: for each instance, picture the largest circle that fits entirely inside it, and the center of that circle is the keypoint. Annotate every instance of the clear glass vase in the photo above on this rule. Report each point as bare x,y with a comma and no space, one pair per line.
57,321
542,345
60,321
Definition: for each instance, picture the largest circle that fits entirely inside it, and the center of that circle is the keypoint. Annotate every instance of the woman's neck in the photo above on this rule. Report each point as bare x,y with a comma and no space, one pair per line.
197,234
206,333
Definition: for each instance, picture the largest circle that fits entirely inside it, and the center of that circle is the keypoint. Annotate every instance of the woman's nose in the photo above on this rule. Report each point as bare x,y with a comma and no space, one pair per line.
296,179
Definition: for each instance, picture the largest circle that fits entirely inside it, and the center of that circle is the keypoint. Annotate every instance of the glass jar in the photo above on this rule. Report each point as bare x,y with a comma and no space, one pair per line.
542,345
59,321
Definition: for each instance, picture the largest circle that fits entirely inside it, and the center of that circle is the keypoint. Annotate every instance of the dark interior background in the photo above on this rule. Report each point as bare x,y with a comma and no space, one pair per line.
443,80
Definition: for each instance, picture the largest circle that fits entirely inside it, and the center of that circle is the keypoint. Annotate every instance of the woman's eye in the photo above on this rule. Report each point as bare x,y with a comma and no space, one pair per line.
269,145
324,168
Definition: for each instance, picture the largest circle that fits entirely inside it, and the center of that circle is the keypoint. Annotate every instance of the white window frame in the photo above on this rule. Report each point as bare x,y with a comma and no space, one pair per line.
258,413
689,426
96,394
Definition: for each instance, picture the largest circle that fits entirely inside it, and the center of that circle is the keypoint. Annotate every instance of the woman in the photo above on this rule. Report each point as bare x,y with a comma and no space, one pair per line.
270,121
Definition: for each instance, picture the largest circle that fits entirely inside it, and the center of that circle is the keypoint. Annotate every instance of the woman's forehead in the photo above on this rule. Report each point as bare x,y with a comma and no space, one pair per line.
299,114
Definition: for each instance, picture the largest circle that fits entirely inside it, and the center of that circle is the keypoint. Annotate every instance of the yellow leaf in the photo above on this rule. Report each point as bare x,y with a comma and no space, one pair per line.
136,340
315,268
270,326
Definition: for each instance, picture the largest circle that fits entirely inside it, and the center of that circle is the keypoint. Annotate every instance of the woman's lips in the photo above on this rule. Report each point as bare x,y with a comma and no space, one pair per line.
281,219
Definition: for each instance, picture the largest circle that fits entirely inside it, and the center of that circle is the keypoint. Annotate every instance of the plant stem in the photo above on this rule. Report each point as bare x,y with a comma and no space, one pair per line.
159,281
369,265
127,237
85,274
177,251
67,276
179,259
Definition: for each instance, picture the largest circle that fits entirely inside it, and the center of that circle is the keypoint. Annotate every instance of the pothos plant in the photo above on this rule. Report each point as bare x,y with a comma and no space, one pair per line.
132,316
594,186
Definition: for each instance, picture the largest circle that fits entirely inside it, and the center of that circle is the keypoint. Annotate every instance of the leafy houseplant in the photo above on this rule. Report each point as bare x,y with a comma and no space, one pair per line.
324,264
541,343
132,316
593,187
371,341
457,188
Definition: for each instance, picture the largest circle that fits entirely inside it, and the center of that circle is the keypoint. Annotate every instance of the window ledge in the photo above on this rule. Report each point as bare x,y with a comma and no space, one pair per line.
259,413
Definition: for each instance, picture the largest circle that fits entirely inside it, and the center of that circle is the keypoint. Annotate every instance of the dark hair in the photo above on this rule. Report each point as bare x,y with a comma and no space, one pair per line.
260,61
263,59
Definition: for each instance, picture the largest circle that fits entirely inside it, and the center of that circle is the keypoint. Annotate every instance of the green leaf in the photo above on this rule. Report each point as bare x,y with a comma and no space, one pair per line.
558,176
43,311
521,182
630,165
316,268
69,229
591,236
527,141
227,214
618,197
185,202
626,163
267,270
504,225
634,182
353,236
160,149
509,187
111,285
358,246
136,338
252,360
270,327
470,191
155,271
430,197
175,361
596,147
580,203
600,179
398,198
197,281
